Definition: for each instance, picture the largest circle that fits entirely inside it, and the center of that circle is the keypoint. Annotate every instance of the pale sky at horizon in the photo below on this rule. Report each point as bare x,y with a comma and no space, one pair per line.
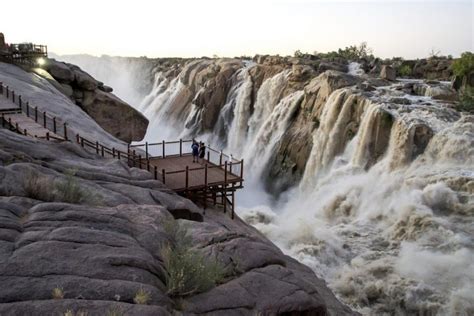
186,28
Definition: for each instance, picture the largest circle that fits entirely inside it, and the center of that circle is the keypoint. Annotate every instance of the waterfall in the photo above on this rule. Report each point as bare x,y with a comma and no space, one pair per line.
267,98
262,147
384,209
241,114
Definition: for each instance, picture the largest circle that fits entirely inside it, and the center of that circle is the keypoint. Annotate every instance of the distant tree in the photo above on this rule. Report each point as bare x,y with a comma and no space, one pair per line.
404,71
435,53
298,54
464,65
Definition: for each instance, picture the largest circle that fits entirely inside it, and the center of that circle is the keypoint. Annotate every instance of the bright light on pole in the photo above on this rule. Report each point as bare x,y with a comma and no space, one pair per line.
41,61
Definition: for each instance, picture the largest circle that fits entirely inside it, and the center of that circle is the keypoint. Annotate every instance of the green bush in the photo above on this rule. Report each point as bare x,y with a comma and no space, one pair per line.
464,65
69,190
466,99
187,271
404,71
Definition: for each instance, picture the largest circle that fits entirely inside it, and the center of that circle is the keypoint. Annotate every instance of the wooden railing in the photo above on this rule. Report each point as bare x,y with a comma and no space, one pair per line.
182,147
134,156
43,118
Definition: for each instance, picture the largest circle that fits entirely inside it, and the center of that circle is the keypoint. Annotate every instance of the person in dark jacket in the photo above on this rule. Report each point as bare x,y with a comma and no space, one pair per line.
202,150
195,148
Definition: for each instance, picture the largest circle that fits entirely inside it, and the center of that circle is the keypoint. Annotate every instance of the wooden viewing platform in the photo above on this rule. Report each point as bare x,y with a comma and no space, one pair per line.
213,179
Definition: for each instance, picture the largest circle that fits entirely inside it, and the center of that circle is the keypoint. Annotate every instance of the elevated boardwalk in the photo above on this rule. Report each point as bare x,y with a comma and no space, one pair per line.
213,179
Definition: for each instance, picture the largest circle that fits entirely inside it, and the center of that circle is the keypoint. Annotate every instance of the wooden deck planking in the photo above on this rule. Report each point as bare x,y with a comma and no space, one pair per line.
196,178
32,128
6,104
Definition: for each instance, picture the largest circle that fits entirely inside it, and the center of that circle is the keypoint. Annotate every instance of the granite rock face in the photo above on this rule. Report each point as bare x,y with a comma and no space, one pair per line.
114,115
101,250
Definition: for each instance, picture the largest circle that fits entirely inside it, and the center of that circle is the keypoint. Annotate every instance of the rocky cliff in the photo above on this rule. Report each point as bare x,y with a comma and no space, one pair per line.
230,98
96,99
84,234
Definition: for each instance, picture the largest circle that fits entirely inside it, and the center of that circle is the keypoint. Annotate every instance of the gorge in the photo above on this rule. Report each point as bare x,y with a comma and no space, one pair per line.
369,181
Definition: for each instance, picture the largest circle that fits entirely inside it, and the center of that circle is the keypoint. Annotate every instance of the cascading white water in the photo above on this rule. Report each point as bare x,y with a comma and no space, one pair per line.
259,151
394,236
267,98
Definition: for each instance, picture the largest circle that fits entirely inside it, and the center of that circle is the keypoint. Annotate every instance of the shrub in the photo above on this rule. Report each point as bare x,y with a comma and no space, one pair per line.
115,311
466,99
69,190
66,190
404,71
464,65
57,293
187,271
142,297
38,187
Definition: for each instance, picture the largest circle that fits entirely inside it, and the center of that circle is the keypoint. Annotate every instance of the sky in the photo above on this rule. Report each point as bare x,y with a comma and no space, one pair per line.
195,28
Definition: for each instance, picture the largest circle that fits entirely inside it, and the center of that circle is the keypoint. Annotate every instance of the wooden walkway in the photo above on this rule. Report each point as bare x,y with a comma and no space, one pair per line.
174,171
214,179
34,125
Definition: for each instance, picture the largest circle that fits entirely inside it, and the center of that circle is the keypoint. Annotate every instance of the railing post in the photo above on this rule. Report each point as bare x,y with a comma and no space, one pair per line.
65,131
54,125
3,120
102,150
1,87
133,157
47,136
163,175
205,188
44,119
13,96
233,201
24,132
19,101
155,172
220,160
10,123
164,144
140,161
113,152
187,178
17,128
180,147
27,109
146,150
36,114
208,155
97,147
148,164
78,138
224,192
82,142
242,168
8,92
230,167
118,154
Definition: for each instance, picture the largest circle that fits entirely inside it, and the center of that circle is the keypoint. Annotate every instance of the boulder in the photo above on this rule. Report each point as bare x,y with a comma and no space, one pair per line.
114,115
387,72
326,65
105,88
67,90
85,81
60,71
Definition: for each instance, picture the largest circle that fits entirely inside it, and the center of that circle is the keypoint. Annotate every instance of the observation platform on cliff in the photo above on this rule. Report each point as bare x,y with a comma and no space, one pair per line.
214,179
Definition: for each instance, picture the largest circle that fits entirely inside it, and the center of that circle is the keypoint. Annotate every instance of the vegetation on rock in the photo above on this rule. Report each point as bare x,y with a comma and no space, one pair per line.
464,65
187,271
66,190
142,297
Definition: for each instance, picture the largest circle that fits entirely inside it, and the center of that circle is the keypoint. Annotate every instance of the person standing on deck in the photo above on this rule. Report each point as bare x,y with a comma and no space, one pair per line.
202,150
195,148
